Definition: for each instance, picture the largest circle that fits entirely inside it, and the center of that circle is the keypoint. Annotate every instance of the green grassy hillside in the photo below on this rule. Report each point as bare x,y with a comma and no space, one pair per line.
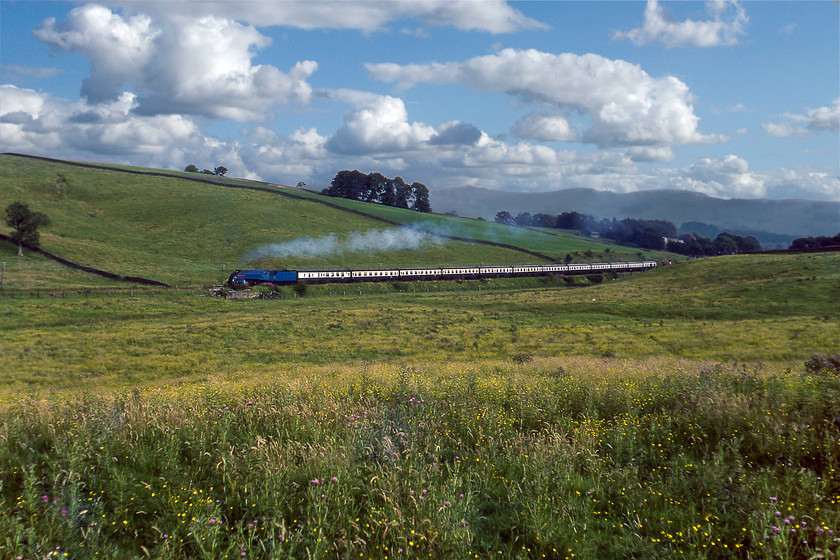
178,230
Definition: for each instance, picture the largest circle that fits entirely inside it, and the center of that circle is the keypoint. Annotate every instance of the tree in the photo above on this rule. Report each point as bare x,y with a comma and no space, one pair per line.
402,192
220,171
523,219
25,223
379,189
725,245
421,197
504,217
191,168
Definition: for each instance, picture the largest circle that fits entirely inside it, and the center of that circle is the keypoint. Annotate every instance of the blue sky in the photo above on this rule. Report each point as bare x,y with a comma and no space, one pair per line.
731,99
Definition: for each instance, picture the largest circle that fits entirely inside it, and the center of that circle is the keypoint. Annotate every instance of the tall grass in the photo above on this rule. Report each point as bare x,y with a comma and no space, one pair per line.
550,458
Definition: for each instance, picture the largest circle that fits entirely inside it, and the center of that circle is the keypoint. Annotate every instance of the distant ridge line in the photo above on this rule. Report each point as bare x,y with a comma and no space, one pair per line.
266,189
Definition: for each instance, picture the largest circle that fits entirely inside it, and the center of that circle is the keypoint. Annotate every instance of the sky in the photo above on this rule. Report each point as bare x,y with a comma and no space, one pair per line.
727,98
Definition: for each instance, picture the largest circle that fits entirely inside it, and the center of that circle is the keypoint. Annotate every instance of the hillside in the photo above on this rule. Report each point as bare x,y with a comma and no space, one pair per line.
181,228
786,218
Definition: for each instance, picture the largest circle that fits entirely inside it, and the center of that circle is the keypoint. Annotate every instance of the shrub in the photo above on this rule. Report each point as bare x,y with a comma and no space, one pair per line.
300,288
820,364
522,358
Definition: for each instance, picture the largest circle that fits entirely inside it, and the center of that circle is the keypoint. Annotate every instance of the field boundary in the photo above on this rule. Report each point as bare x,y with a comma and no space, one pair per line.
86,268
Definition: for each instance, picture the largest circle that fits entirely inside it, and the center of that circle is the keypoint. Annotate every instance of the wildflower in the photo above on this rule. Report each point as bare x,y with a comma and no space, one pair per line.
335,479
315,482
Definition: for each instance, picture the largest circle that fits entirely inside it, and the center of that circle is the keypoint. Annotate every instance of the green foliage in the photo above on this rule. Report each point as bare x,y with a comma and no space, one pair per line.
25,222
501,462
300,288
379,189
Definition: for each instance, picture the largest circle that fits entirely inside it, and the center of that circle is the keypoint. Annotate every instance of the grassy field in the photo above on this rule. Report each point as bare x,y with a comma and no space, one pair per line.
688,412
666,415
179,231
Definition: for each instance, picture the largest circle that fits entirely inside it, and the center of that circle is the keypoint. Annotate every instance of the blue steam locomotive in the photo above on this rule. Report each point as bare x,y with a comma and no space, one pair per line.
244,278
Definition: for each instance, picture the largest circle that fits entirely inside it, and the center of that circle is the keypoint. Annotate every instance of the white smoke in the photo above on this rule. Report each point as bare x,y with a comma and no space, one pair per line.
370,241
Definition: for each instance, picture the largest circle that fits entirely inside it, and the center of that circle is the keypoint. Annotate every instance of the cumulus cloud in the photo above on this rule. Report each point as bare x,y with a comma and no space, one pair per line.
545,128
814,121
725,27
802,183
33,123
455,133
200,66
493,16
625,105
650,154
118,48
377,124
726,177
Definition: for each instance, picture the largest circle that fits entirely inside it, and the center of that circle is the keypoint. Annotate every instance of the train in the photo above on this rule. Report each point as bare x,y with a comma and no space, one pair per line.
260,277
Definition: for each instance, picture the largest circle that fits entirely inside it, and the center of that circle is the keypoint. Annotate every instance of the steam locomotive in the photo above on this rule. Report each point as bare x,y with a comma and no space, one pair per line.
244,278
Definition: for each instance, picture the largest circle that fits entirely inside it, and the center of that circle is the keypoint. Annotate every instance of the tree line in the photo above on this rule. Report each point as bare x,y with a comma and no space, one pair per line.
375,187
218,171
820,242
657,235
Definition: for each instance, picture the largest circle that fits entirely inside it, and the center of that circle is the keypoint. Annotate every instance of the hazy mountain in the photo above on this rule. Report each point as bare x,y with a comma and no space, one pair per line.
781,219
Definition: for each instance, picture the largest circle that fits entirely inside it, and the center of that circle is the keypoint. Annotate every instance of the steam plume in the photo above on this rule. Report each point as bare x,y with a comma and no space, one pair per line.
370,241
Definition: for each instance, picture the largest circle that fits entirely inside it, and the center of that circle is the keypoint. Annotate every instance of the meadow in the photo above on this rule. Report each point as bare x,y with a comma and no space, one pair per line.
665,415
687,412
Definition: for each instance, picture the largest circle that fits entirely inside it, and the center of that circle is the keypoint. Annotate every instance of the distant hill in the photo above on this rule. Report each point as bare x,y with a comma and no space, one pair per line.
191,229
772,221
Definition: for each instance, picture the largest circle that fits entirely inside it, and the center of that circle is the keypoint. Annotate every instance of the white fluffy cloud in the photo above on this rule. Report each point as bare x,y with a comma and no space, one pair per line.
545,128
625,105
725,27
200,66
377,124
118,48
822,119
728,176
493,16
33,123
